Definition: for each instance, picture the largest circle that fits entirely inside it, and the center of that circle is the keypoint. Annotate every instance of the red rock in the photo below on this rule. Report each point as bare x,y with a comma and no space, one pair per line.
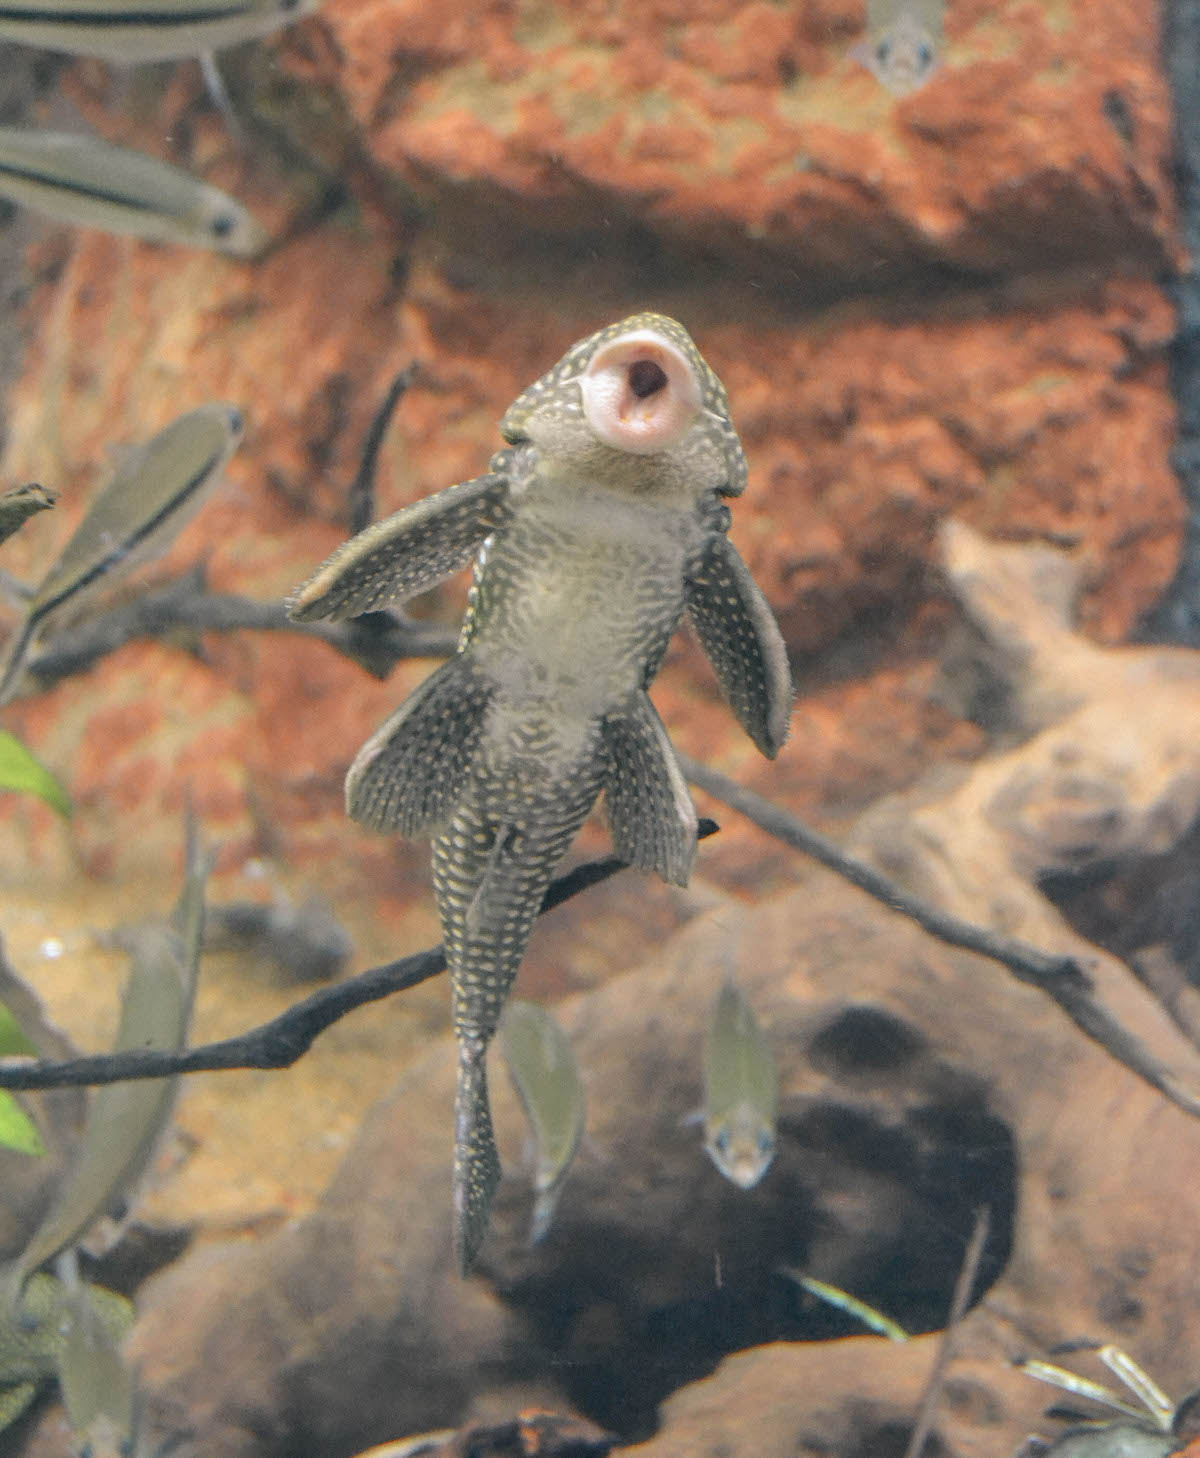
751,126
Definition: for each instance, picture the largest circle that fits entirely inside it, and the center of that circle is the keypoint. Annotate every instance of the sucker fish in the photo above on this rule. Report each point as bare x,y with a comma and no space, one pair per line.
741,1091
92,183
599,527
130,31
546,1076
155,492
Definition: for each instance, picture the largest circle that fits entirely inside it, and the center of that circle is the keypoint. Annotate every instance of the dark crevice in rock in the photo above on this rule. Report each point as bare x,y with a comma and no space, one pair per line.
881,1202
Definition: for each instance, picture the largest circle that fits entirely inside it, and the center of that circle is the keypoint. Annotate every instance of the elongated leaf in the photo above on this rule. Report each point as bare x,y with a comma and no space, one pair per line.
17,1129
19,770
12,1037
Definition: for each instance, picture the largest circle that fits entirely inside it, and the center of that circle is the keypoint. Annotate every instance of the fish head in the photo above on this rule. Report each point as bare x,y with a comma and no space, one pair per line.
228,226
636,400
903,56
741,1143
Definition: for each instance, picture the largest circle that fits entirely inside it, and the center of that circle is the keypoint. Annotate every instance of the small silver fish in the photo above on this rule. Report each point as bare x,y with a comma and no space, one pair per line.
97,1385
84,180
741,1092
130,31
542,1064
33,1336
155,492
904,43
126,1120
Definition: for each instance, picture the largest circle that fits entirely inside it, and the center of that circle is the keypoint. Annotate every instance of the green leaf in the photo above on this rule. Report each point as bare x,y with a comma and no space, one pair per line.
12,1036
20,771
17,1129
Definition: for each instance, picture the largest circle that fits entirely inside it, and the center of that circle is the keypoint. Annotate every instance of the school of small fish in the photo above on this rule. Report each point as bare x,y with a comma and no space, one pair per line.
92,183
598,528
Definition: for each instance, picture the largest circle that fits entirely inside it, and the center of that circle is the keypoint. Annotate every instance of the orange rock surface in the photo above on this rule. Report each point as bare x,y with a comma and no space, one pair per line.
748,129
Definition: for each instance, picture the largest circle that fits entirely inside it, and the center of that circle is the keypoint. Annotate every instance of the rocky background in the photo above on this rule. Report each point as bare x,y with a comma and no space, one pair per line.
959,304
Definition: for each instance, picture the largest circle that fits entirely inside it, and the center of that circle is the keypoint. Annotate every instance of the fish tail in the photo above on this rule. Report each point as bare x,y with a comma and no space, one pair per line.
476,1163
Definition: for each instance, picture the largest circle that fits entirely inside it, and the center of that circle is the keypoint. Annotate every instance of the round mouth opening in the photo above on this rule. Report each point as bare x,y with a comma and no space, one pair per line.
647,377
640,392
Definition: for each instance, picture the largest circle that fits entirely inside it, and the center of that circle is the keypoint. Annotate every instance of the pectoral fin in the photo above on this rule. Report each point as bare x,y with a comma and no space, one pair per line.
405,553
409,775
740,635
650,810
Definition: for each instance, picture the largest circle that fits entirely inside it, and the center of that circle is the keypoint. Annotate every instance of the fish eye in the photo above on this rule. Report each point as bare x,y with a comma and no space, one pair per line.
925,56
883,52
765,1142
646,378
223,224
237,421
722,1141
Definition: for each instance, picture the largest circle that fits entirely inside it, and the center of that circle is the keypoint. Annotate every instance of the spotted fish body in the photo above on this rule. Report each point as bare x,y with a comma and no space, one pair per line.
593,534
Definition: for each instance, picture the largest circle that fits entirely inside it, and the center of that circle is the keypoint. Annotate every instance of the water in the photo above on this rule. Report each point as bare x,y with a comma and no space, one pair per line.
951,304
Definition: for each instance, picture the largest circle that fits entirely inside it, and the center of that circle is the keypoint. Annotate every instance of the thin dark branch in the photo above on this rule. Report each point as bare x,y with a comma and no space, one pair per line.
185,606
958,1309
1061,978
286,1038
362,491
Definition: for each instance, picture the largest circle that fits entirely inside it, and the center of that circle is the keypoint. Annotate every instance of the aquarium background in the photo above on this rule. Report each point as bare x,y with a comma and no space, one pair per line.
963,305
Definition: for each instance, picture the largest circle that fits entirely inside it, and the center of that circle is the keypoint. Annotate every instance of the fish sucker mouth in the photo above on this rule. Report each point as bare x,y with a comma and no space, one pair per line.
640,393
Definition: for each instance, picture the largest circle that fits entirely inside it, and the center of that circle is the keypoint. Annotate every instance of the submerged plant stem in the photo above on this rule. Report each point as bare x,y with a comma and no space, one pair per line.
958,1309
